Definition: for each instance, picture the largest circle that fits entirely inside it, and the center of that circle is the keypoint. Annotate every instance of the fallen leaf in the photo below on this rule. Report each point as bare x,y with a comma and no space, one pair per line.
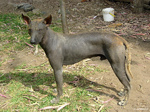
114,25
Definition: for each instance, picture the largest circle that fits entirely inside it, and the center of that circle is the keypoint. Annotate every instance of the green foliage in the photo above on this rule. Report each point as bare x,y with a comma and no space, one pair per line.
30,90
14,32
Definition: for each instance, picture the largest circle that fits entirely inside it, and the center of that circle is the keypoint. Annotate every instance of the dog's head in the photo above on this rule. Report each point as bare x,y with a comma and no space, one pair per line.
37,28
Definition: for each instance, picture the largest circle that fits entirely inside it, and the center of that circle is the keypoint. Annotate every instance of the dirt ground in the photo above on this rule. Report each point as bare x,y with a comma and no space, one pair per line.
81,17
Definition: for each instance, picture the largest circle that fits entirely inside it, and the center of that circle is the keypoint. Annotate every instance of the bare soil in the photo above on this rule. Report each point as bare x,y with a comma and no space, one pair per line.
81,17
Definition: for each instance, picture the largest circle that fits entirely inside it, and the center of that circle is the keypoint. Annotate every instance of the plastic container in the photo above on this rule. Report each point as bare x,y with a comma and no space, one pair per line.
108,14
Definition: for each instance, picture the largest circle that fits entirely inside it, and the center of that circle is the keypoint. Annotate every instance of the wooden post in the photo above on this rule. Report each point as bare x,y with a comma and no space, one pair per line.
138,6
63,17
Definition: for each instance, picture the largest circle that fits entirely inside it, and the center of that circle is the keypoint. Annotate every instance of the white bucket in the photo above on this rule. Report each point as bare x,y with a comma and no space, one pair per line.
108,14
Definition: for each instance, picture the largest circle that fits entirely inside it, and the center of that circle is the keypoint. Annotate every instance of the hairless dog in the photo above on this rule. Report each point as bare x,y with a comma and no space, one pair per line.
64,49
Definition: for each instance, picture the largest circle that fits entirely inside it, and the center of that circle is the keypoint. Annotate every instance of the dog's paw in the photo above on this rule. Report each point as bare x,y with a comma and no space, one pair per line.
55,100
121,93
122,103
36,52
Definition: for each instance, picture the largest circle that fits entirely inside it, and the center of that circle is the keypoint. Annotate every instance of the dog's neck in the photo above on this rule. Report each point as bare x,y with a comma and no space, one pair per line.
50,40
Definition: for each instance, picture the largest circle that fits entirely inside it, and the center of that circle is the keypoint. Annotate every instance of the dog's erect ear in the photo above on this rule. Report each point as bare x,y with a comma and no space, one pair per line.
48,20
26,19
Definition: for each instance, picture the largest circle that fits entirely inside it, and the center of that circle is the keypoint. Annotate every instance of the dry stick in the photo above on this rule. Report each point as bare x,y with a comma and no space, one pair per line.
62,106
30,95
59,107
108,100
101,108
3,105
28,98
29,44
3,95
49,107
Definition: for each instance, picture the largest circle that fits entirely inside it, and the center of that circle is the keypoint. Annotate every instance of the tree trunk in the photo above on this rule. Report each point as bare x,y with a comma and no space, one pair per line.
138,6
63,16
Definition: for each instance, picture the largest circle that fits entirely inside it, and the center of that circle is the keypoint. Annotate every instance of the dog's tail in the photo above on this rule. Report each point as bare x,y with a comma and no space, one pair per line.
128,57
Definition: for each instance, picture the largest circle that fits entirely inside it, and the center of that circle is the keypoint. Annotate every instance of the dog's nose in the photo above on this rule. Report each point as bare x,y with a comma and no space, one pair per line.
32,42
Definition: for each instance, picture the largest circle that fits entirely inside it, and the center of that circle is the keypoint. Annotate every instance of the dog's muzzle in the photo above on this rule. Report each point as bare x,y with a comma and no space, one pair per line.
32,42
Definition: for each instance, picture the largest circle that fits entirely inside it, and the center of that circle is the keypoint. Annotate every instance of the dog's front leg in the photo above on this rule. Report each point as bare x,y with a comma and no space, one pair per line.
36,50
59,83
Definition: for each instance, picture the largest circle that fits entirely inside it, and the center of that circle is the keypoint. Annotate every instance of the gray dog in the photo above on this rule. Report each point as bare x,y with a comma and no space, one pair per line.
69,49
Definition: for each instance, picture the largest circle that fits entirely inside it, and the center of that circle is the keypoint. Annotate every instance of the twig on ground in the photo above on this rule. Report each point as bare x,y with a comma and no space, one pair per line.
28,98
29,44
141,34
59,107
107,100
101,107
43,97
3,95
36,103
75,82
3,105
30,95
49,107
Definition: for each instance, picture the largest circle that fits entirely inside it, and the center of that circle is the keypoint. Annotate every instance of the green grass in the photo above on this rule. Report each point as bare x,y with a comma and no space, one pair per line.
14,33
29,88
29,91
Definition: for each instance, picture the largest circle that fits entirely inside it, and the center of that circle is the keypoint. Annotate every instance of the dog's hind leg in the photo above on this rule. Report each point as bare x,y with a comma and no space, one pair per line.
121,74
117,61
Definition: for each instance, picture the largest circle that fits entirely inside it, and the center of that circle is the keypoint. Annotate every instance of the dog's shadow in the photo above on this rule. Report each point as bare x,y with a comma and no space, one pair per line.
82,82
36,79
